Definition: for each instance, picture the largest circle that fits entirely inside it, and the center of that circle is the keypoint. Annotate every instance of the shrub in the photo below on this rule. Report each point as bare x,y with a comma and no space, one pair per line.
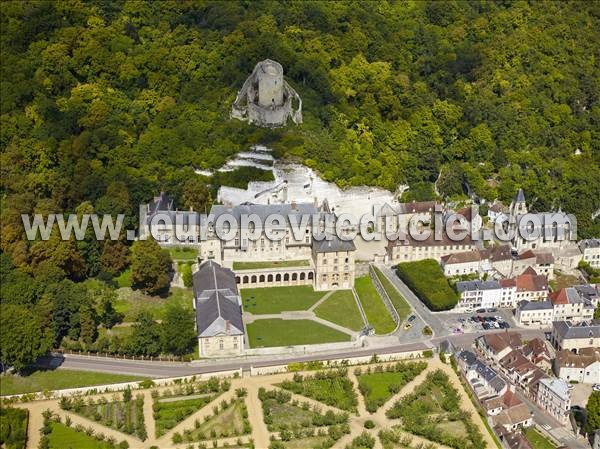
369,424
426,279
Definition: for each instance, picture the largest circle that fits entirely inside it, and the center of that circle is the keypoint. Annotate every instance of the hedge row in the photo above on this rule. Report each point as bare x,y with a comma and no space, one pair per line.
426,279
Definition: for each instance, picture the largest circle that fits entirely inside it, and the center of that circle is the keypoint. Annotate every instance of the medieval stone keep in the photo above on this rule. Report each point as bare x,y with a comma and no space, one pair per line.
266,99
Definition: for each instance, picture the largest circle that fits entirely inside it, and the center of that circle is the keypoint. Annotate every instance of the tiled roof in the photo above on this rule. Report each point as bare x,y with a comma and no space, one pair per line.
501,340
463,257
531,283
585,358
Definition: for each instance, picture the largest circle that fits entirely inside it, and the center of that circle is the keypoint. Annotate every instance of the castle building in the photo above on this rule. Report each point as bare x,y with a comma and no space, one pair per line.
266,99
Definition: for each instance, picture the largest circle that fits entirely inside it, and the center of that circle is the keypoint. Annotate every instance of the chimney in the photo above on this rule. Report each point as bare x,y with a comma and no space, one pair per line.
293,204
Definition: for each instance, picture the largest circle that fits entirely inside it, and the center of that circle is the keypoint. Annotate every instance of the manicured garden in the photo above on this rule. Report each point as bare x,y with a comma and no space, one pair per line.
537,440
340,308
229,419
13,428
400,304
281,413
276,332
58,379
375,310
381,383
433,411
279,299
331,387
125,415
270,264
426,279
62,437
132,302
173,406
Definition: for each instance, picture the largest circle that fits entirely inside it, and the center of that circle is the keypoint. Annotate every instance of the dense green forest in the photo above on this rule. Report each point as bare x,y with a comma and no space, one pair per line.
105,103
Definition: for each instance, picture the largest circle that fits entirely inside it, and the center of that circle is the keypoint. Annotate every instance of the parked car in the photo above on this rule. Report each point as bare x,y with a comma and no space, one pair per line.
596,387
486,326
492,310
480,311
412,318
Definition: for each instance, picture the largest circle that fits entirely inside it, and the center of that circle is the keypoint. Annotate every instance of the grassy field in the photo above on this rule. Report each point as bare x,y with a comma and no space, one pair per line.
377,314
340,308
63,437
132,302
276,332
226,423
537,440
278,299
270,264
183,253
58,379
400,304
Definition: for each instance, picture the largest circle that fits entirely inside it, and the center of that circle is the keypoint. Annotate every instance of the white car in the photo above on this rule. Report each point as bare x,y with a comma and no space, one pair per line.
596,387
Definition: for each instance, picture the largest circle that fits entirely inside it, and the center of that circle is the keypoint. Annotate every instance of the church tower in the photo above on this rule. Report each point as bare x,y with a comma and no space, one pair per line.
518,206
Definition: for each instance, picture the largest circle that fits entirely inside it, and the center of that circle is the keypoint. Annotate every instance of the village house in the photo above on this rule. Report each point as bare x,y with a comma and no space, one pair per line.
483,380
573,304
218,308
498,212
534,313
478,294
406,248
539,352
590,249
514,414
554,397
583,367
469,262
528,286
334,263
519,369
498,345
575,336
541,262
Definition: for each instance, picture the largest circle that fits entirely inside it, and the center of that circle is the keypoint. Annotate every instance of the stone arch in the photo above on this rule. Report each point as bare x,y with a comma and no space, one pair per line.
310,276
237,280
261,278
294,276
253,279
270,278
286,277
302,276
245,280
278,278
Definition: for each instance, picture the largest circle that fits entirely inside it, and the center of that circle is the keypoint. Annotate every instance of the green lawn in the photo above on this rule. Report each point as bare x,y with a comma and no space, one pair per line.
537,440
168,414
426,279
400,304
278,299
377,314
58,379
340,308
63,437
270,264
276,332
183,253
132,302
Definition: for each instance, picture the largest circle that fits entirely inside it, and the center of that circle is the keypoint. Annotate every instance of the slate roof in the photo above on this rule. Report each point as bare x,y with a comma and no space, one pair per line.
164,205
535,305
568,295
498,253
463,286
520,196
558,386
263,210
485,372
589,244
567,330
218,308
333,244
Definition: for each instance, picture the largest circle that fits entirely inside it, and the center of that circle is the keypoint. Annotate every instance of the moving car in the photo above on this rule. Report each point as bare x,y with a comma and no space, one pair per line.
412,318
596,387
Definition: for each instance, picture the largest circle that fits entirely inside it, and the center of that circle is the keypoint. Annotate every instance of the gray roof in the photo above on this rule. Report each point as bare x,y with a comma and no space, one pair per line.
568,330
520,196
164,206
218,308
264,210
332,243
589,243
484,371
535,305
589,292
463,286
559,386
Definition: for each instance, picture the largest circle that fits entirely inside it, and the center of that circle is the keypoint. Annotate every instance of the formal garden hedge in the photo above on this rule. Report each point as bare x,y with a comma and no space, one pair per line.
329,387
381,383
126,415
13,428
426,279
433,411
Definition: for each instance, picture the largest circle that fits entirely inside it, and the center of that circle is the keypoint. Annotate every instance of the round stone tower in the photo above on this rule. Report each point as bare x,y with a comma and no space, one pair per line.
270,84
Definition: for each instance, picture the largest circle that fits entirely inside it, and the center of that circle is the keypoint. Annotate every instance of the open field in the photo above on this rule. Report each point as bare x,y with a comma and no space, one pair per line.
400,304
276,332
58,379
278,299
270,264
132,302
377,314
340,308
